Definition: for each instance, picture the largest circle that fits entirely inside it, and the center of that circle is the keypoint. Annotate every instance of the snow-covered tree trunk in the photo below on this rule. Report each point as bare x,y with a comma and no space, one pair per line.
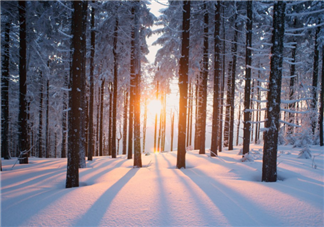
5,93
72,174
269,165
215,123
22,121
247,89
183,85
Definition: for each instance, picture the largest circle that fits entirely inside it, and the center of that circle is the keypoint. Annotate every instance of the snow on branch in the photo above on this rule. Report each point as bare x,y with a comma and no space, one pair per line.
290,124
304,13
304,28
296,112
65,6
66,35
296,100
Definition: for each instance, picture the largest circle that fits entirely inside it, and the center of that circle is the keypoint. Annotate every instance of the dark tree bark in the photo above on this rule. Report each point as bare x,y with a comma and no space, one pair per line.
22,121
315,80
203,111
238,123
215,123
91,101
196,145
228,105
125,123
269,165
64,119
114,127
47,121
40,117
5,94
247,90
183,85
322,101
101,135
110,124
232,89
72,175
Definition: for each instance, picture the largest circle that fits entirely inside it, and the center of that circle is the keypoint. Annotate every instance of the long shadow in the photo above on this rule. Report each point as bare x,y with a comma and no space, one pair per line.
96,212
227,201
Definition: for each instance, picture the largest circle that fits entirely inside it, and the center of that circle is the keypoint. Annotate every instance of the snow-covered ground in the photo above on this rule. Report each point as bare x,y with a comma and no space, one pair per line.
220,191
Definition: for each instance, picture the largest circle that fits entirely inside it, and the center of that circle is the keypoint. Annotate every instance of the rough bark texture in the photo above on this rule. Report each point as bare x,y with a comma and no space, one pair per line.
22,121
40,117
101,134
203,111
183,86
5,94
247,89
269,166
114,127
72,175
215,123
91,98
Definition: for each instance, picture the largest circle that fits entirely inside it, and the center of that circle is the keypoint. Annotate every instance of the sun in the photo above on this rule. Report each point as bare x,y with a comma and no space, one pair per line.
154,106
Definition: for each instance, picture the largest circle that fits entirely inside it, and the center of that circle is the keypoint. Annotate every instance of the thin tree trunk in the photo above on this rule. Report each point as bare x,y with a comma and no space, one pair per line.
203,111
64,118
196,145
215,123
270,148
238,123
172,130
101,136
5,94
315,79
144,124
40,117
110,118
22,121
228,106
47,121
183,85
247,90
114,126
125,123
155,121
322,101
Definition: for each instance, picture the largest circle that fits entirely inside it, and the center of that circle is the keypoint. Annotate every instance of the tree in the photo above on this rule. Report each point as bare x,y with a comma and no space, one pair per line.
322,101
5,93
72,175
183,85
247,90
269,165
22,127
215,123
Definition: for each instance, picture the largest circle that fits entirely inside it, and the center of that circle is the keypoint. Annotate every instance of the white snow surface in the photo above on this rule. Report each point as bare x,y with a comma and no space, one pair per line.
211,191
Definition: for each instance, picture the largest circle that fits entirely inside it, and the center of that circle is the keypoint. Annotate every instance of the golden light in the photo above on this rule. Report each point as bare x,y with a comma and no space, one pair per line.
154,106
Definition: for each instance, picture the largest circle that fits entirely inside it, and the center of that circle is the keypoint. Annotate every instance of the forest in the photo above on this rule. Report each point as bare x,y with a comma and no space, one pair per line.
76,82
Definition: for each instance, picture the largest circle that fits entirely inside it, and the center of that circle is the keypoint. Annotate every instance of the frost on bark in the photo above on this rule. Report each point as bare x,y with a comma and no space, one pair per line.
215,124
269,166
183,86
72,174
247,90
5,94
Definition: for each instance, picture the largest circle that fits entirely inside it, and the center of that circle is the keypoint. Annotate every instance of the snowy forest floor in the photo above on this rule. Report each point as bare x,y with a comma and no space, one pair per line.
221,191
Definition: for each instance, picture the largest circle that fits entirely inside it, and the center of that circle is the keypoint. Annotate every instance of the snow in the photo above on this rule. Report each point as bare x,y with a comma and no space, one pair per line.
217,191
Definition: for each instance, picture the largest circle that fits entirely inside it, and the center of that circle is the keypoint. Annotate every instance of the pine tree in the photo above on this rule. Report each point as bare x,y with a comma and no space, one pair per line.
269,165
183,85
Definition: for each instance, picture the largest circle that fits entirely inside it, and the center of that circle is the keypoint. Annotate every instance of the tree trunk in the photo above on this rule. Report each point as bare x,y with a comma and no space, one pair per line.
172,130
322,101
101,136
215,123
155,120
228,106
269,165
91,100
247,90
203,111
114,127
144,124
47,121
110,124
22,121
40,117
315,80
125,123
5,93
64,118
72,175
183,85
238,123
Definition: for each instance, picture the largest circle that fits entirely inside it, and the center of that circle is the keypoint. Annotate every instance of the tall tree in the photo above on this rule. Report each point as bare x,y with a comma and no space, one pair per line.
322,101
137,89
183,85
22,121
270,147
91,101
64,118
47,144
72,175
114,107
203,111
5,92
40,117
101,134
215,123
125,123
247,90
